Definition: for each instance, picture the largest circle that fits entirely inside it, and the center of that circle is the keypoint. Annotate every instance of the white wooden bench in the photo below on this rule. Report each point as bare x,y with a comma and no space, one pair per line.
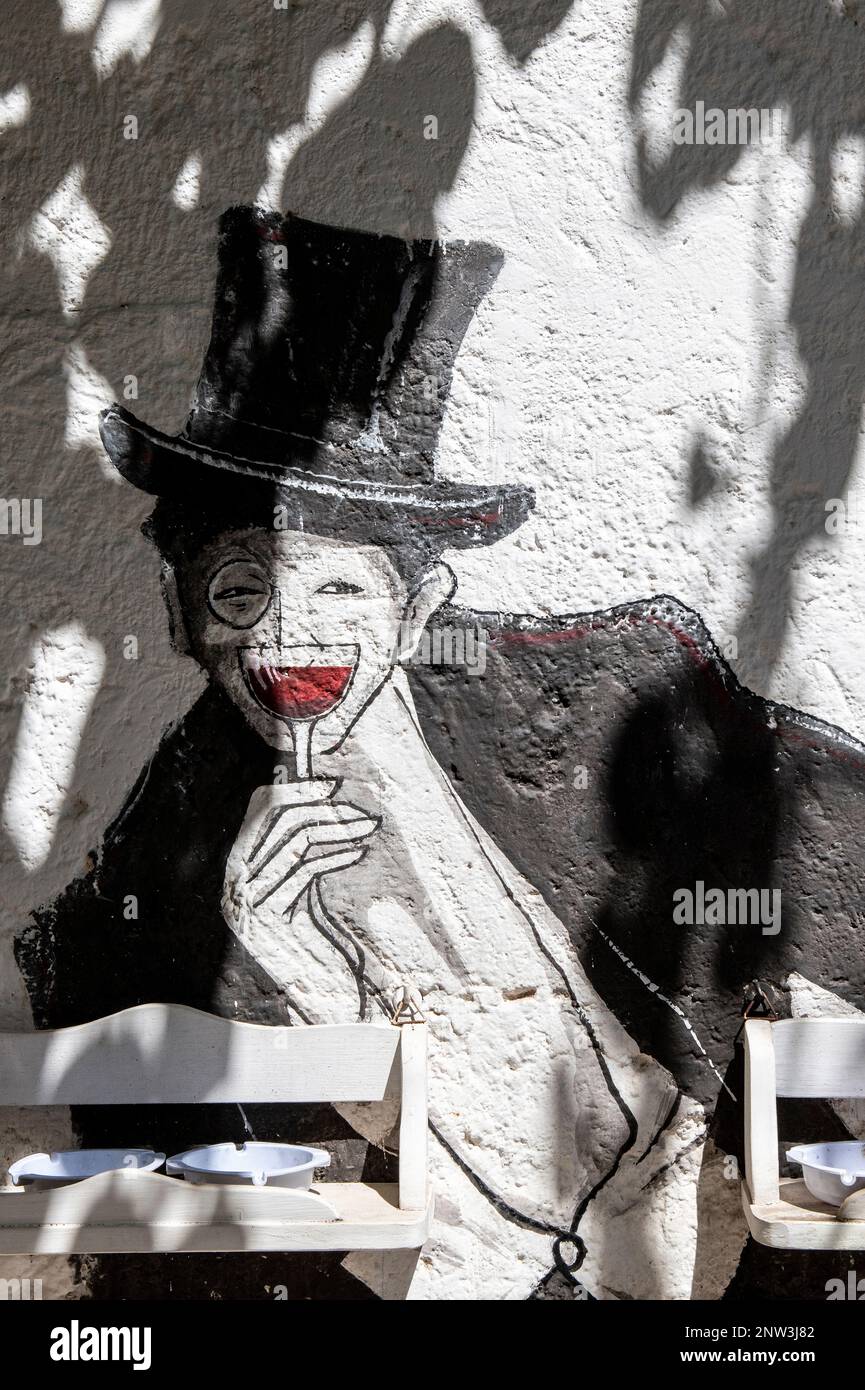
166,1054
809,1058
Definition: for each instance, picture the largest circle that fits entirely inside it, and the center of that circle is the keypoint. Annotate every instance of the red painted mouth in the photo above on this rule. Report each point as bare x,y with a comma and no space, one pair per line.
298,692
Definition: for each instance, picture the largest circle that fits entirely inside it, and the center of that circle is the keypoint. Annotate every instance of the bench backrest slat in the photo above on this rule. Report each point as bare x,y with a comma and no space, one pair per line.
819,1057
170,1054
803,1057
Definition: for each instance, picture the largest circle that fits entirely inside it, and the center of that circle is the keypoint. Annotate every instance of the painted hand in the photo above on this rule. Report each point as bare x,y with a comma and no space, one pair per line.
292,834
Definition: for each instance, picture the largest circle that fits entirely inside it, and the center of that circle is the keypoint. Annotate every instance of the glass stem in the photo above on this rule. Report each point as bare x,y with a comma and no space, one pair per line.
303,749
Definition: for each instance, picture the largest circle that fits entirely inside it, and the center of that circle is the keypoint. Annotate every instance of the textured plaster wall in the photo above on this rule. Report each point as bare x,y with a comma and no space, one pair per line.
670,355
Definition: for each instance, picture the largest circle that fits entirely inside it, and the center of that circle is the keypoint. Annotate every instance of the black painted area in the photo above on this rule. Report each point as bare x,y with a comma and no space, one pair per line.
324,387
690,777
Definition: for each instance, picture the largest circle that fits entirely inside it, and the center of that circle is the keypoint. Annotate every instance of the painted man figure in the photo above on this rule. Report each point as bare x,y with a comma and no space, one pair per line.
296,852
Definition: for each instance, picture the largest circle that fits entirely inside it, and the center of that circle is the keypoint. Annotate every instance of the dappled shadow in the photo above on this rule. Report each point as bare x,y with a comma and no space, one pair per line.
107,295
806,59
615,760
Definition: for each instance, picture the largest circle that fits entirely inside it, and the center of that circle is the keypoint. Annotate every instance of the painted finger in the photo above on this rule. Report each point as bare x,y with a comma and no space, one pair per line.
271,801
283,821
295,840
328,864
256,817
297,880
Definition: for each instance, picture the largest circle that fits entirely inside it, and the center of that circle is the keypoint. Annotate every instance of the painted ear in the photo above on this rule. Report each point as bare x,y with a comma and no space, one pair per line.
176,622
437,586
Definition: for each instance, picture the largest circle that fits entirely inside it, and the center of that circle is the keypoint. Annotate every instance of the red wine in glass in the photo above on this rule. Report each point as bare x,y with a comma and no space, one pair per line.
299,692
300,685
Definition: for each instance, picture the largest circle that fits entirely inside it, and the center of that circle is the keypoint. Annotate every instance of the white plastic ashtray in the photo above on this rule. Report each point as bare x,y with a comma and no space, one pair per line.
71,1165
831,1171
279,1165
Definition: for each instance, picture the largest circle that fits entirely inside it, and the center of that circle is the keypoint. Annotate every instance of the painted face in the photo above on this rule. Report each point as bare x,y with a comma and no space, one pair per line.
295,628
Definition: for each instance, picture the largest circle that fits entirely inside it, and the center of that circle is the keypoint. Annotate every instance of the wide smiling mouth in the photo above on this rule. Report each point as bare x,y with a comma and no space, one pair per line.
299,682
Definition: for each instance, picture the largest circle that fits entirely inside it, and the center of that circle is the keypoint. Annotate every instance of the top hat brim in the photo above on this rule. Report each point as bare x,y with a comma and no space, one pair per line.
172,467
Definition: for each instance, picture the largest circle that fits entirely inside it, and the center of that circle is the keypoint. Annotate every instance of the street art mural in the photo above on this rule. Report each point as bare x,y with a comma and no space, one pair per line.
554,838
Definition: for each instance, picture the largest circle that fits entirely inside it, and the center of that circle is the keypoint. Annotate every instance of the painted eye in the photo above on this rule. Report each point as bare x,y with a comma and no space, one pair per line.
339,586
239,593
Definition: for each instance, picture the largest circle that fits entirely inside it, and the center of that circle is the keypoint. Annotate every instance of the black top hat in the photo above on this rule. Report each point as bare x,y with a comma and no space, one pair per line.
324,386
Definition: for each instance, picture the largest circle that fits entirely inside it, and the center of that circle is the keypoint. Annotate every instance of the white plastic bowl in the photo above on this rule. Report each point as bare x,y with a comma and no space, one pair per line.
831,1171
71,1165
280,1165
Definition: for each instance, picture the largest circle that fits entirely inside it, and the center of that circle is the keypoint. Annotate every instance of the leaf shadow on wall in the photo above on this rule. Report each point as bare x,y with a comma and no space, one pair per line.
146,308
213,91
614,759
806,58
707,784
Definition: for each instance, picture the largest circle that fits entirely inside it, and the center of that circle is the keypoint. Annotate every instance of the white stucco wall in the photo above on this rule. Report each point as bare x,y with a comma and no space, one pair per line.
610,346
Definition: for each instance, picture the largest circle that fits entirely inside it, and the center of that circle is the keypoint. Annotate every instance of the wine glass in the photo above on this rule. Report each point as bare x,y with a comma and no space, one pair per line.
301,684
